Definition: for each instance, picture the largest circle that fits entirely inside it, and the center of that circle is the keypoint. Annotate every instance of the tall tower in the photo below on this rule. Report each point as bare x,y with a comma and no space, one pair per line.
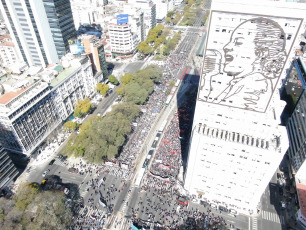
237,143
39,28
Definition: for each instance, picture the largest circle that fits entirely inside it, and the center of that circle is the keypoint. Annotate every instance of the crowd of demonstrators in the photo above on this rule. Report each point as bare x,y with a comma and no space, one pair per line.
167,160
165,212
144,123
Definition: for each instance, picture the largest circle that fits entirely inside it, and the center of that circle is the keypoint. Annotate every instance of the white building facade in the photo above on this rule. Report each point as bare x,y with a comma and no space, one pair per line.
122,39
236,143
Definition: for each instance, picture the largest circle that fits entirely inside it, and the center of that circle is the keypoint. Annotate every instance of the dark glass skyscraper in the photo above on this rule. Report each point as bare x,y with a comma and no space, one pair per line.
40,28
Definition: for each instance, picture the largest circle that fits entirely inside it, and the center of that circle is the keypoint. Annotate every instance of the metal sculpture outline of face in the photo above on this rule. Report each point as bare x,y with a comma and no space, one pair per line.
246,53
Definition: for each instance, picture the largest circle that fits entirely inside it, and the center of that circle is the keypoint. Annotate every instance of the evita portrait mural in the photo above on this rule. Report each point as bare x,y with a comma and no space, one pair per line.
244,59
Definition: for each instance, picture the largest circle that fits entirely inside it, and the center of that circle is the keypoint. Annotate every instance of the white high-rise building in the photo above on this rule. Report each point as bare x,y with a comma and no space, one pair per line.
236,142
40,29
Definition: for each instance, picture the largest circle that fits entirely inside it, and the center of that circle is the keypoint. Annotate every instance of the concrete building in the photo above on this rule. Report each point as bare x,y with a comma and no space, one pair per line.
34,103
8,52
8,171
88,11
122,40
237,143
74,82
40,29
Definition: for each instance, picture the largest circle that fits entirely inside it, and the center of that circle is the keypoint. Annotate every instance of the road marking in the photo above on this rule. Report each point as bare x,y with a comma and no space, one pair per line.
249,223
254,223
274,217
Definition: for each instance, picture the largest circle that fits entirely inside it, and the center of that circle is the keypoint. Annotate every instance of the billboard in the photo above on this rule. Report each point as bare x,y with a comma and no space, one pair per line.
122,18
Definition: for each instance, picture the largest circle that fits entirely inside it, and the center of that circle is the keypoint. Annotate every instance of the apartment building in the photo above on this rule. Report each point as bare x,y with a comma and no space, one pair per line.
34,103
8,52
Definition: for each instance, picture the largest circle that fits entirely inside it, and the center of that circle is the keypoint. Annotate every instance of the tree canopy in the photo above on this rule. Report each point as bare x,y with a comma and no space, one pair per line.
112,79
82,107
102,88
70,126
32,209
102,138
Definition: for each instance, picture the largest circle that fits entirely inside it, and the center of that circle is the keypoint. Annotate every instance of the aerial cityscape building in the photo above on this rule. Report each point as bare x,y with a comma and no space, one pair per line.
40,29
237,143
35,102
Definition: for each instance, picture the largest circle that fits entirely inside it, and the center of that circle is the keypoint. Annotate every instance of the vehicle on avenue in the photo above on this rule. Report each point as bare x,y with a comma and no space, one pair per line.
283,204
223,209
45,173
52,162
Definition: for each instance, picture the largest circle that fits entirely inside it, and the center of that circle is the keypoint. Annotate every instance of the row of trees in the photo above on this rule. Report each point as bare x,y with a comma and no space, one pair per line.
189,14
32,209
173,17
102,138
154,39
138,86
171,43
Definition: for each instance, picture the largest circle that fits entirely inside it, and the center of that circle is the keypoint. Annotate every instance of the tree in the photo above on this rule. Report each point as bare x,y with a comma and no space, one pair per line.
112,79
170,14
70,126
126,78
168,20
82,107
102,88
166,32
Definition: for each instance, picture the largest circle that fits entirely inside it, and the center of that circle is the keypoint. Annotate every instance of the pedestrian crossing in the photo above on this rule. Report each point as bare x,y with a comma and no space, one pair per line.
59,162
116,171
254,223
125,203
88,216
273,217
84,192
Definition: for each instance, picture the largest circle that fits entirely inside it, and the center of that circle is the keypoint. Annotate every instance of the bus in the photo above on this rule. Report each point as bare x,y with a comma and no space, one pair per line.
163,126
140,176
168,100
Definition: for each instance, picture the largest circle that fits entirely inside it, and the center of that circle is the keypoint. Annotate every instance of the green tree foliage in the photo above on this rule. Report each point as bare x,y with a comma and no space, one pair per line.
31,209
126,78
112,79
82,107
177,18
145,48
70,126
171,43
102,88
100,139
170,14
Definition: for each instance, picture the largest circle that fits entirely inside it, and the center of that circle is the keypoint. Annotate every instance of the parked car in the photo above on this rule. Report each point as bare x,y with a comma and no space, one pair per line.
45,173
223,209
52,162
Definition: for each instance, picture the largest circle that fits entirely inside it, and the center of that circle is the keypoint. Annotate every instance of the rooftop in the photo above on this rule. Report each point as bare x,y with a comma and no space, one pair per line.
63,75
10,95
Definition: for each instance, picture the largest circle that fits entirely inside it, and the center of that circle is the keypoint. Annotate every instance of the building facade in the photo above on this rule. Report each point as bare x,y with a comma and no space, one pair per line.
237,142
8,171
33,107
40,29
123,41
28,116
296,126
8,52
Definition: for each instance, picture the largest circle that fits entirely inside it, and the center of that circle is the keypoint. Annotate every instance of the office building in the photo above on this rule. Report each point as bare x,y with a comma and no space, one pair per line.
8,171
237,143
40,29
34,104
294,88
122,40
